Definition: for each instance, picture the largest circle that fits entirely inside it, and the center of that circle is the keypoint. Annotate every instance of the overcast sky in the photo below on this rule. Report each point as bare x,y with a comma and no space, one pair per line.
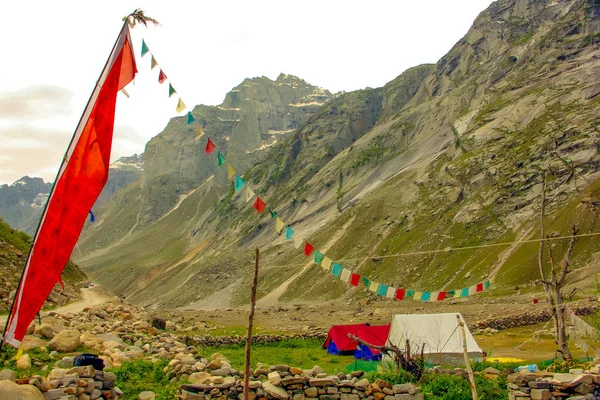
52,53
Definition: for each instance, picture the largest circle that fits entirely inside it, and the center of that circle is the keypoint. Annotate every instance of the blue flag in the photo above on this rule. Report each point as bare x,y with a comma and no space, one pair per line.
239,183
289,233
92,218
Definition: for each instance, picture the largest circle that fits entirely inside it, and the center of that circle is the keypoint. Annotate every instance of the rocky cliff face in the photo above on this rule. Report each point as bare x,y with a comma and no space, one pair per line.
253,117
446,156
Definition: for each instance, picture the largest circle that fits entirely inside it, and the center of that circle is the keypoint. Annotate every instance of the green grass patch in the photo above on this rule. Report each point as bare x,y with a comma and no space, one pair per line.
300,353
137,376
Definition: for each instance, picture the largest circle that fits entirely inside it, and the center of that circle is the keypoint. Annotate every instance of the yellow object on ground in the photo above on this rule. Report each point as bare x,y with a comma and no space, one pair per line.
503,359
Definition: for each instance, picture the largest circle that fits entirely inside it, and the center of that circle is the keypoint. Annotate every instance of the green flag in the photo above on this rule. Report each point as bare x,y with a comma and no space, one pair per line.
318,256
144,48
273,212
220,159
190,118
171,90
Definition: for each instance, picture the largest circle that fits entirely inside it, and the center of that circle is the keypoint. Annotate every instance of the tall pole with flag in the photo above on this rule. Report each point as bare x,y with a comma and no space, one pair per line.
81,177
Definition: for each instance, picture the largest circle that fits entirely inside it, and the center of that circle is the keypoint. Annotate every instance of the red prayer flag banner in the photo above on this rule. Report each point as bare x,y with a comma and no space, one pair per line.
161,77
210,146
400,293
259,205
308,249
80,180
479,287
441,296
354,279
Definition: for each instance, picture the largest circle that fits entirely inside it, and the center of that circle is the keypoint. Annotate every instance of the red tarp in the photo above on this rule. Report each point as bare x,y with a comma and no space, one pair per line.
376,335
79,182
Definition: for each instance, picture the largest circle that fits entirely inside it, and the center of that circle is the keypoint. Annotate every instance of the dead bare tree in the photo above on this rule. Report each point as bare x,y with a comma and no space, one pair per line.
411,363
554,284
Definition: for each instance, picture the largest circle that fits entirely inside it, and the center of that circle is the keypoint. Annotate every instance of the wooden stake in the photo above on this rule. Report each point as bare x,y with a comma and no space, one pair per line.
249,336
466,354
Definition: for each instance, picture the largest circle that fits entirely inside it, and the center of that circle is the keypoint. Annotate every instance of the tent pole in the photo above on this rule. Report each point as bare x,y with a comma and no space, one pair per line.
250,321
466,354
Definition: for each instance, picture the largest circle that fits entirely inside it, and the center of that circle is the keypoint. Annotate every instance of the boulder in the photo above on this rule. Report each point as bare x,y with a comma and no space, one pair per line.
199,377
10,390
65,341
24,362
275,391
274,378
46,330
147,395
7,374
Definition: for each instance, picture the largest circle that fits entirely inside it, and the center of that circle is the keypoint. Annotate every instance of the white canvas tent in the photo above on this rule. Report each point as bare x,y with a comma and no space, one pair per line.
440,334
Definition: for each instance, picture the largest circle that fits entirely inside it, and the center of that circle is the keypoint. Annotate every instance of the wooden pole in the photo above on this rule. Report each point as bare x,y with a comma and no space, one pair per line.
466,354
249,336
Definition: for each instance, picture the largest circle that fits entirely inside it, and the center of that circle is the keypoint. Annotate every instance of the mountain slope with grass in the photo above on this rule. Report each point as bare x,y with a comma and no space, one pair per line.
421,184
14,247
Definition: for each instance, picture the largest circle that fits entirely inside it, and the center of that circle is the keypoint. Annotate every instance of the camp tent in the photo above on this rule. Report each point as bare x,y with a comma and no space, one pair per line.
438,332
338,341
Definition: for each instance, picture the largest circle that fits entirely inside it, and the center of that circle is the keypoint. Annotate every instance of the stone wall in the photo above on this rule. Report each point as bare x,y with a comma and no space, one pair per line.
576,385
528,318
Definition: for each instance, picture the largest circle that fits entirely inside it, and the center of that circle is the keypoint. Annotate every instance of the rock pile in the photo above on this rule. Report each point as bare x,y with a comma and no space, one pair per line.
81,383
576,385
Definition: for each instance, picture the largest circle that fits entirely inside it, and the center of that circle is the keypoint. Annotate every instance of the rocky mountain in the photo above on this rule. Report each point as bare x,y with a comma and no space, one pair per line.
431,182
22,203
14,247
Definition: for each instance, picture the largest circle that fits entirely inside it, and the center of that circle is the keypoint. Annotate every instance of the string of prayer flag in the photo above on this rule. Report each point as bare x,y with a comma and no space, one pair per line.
153,62
336,269
327,263
354,279
273,213
180,106
345,275
199,133
297,242
230,171
279,225
318,256
249,194
308,249
171,90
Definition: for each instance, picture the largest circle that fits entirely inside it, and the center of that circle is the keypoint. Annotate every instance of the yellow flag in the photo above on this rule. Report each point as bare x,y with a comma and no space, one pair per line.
374,286
279,225
153,63
249,194
19,353
326,263
199,132
180,106
230,171
417,295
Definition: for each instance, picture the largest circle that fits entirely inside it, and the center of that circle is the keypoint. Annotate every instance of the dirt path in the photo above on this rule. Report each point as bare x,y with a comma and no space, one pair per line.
90,297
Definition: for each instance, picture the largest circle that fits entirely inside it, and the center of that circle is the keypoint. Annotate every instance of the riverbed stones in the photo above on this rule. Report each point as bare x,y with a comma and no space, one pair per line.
65,341
275,391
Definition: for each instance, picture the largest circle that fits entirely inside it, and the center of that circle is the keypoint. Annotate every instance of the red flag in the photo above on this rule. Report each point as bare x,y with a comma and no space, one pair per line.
210,146
354,279
400,293
161,77
80,180
308,249
479,287
259,205
441,296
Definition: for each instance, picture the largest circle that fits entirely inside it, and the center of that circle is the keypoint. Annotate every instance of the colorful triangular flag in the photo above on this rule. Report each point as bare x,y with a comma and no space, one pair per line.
161,77
190,118
391,293
171,90
259,205
279,225
425,296
417,295
354,279
366,281
180,106
92,218
289,233
373,286
199,132
382,290
230,171
145,48
308,249
220,159
318,256
239,184
326,264
273,213
249,194
298,241
336,269
153,63
210,146
345,275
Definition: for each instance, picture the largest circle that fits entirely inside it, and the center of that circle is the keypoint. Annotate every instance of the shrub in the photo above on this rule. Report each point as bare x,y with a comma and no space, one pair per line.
137,376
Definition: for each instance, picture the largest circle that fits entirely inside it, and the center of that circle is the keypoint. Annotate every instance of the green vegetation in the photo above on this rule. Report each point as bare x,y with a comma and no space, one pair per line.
137,376
20,240
294,352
